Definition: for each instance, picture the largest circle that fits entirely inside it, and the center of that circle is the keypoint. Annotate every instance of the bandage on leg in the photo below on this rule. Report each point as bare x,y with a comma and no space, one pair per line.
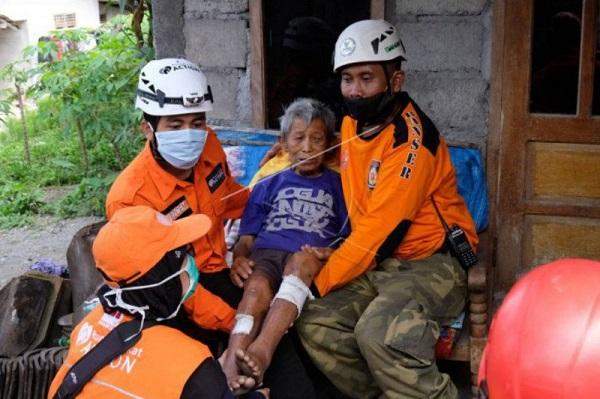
243,324
293,290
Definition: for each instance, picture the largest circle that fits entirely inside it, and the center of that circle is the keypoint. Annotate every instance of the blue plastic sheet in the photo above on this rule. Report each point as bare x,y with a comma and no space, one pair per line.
244,151
471,182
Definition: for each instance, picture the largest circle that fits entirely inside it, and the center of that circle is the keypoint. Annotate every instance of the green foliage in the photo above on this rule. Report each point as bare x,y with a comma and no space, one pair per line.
17,202
19,198
95,89
84,127
6,99
15,74
87,199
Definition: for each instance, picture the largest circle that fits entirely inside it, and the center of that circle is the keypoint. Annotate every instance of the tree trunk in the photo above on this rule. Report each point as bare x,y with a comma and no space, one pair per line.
26,148
136,23
150,41
82,146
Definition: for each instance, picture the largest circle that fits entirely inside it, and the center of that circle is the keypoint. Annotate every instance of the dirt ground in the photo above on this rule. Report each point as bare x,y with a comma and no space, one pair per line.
47,238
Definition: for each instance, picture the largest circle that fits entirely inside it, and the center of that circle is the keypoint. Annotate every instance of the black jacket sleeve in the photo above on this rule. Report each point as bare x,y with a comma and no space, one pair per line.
207,382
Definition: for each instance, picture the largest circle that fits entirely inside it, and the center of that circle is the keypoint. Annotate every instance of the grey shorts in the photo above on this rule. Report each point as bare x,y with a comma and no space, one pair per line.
270,262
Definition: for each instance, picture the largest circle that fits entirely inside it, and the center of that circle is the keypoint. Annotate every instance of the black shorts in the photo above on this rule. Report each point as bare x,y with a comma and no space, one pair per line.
270,262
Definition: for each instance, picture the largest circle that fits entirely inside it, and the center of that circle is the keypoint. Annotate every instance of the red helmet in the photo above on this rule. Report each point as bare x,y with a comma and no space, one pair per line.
544,341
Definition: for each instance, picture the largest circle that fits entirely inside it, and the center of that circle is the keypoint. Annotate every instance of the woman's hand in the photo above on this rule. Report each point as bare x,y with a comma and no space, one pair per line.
241,269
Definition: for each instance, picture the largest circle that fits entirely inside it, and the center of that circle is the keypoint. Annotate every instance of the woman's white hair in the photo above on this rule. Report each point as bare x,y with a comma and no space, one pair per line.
307,109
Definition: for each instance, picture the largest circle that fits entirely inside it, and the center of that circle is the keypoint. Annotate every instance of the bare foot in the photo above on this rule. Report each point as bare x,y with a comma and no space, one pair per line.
242,384
238,384
252,362
229,366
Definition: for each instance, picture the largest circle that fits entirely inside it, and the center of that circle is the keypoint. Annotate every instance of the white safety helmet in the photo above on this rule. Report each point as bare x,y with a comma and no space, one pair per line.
172,86
371,40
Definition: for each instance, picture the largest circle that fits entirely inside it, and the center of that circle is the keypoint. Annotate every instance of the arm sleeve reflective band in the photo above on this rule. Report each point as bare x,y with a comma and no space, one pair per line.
119,340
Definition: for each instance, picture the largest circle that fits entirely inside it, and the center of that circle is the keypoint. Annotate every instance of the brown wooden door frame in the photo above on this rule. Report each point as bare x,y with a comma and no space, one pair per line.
495,132
512,126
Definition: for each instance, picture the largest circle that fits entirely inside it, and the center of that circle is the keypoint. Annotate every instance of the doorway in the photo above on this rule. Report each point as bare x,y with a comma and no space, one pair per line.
292,44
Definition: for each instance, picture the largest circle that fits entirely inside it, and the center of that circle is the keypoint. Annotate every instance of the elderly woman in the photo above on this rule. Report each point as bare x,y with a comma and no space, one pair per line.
300,207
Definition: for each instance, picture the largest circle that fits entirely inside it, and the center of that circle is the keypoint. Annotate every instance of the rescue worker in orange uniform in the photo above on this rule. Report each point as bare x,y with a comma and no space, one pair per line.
396,279
124,347
181,171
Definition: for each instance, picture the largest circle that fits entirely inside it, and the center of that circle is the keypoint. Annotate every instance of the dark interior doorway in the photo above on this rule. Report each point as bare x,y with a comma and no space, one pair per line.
299,38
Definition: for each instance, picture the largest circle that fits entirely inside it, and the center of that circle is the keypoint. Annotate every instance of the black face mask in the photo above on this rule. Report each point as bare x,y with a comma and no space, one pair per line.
161,300
370,109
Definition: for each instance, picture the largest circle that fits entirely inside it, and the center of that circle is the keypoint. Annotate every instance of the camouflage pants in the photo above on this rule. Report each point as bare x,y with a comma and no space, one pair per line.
375,337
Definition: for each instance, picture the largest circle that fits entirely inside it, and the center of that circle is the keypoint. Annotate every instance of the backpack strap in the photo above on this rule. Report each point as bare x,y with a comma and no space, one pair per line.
118,341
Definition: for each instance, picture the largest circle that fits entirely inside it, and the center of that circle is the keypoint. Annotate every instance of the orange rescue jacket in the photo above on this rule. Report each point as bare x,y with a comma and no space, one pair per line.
213,192
388,182
157,366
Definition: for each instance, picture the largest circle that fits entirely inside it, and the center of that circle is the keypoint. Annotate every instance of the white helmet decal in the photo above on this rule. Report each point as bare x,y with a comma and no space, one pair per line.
368,41
348,46
375,42
172,86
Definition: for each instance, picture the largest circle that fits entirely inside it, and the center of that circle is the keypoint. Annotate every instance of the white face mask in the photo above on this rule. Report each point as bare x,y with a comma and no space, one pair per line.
181,148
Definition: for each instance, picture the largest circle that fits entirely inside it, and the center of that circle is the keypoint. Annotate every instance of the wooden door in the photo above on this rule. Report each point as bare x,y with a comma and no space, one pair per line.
547,136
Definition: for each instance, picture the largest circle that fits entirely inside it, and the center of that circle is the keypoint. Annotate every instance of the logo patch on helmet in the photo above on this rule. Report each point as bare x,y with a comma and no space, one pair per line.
178,67
192,101
348,46
373,172
392,46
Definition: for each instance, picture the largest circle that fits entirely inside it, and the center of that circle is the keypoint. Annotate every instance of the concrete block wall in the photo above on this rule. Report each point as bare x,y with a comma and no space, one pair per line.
215,35
447,42
448,62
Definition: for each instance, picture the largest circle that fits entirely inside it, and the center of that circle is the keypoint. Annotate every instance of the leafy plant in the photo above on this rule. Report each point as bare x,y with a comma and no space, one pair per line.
83,128
95,88
87,199
17,74
17,201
